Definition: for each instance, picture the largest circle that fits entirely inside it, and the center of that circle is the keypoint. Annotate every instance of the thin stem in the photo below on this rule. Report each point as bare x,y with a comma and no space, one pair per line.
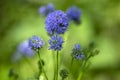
54,66
71,67
82,70
72,63
42,66
80,76
57,66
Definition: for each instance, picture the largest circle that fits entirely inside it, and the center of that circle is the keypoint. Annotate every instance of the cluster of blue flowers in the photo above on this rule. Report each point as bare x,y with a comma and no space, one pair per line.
73,14
56,24
77,52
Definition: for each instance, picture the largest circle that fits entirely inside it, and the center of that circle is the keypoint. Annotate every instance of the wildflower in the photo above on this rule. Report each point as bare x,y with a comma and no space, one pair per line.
56,22
79,56
36,43
77,52
24,49
74,14
56,42
45,10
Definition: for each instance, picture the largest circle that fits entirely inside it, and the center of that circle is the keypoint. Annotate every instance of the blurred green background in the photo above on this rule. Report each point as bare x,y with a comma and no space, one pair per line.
100,22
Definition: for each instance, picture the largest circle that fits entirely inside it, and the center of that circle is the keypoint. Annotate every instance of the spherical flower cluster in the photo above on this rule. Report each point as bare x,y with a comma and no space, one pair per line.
56,43
77,52
24,49
45,10
36,43
74,14
56,22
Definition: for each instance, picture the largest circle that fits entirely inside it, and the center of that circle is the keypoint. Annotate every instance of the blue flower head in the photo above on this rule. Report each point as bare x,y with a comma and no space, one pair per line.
24,49
56,42
79,56
74,14
45,10
56,22
36,43
77,52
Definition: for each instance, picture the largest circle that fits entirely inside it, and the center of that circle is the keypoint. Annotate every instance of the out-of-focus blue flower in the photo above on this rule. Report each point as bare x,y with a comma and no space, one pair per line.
77,52
45,10
79,56
56,22
74,14
35,42
56,43
24,49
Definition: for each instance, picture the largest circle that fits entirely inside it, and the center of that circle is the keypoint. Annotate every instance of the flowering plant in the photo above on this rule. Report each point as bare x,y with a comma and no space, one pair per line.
57,24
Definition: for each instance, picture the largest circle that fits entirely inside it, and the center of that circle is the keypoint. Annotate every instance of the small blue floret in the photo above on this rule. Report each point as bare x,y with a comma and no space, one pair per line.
56,42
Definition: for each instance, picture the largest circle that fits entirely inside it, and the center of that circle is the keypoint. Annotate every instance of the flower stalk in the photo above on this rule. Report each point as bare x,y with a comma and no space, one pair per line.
57,56
42,66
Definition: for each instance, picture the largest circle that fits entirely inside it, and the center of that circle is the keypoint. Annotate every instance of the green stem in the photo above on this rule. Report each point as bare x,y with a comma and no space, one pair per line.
57,66
70,68
82,70
42,66
54,66
72,63
80,76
